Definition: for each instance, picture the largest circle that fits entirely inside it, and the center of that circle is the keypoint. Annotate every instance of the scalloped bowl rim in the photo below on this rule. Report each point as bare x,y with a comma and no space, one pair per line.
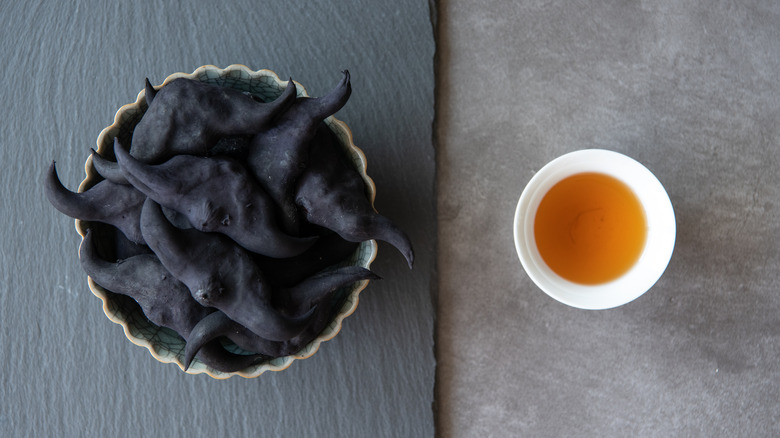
352,299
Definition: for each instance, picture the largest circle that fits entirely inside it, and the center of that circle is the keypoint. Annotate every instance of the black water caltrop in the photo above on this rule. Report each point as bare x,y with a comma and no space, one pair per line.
278,155
187,116
219,274
305,296
332,194
108,169
164,300
216,195
115,204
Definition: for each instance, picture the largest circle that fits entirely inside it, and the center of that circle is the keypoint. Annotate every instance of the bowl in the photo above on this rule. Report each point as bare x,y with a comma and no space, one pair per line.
653,257
164,344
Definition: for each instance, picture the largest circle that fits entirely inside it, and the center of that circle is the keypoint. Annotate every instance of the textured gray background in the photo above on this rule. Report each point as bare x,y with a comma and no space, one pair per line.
692,90
68,66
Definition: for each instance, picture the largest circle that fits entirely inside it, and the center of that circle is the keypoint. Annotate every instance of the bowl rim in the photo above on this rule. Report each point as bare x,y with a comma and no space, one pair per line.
344,133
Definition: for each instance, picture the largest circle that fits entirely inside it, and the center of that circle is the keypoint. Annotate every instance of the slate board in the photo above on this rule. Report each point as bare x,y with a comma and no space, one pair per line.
68,370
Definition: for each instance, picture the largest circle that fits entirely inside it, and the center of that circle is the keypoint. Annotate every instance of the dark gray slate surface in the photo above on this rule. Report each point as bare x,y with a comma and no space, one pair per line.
692,90
68,66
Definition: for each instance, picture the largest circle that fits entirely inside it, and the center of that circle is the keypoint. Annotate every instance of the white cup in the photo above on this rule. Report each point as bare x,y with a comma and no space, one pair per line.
659,242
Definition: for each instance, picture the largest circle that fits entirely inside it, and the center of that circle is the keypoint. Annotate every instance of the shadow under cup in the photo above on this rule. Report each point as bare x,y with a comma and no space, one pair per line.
659,239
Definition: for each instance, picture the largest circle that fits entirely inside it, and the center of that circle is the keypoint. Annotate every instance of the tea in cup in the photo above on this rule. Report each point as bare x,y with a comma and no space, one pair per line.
594,229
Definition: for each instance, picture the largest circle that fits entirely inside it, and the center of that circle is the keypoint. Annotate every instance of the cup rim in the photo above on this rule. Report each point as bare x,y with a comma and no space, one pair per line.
660,240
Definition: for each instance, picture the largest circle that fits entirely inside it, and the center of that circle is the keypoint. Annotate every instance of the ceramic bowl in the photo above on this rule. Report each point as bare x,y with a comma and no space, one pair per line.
164,344
660,228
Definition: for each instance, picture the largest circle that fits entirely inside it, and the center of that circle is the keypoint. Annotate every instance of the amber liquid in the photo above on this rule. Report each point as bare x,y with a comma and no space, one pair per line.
590,228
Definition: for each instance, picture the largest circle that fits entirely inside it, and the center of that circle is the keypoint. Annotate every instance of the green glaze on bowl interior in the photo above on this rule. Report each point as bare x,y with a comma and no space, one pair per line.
165,344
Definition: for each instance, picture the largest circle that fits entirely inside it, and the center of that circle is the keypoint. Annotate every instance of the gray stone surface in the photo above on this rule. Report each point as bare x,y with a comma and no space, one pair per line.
690,89
68,66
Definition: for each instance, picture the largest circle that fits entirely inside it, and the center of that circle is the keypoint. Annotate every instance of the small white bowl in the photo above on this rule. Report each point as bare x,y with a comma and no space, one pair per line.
655,256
